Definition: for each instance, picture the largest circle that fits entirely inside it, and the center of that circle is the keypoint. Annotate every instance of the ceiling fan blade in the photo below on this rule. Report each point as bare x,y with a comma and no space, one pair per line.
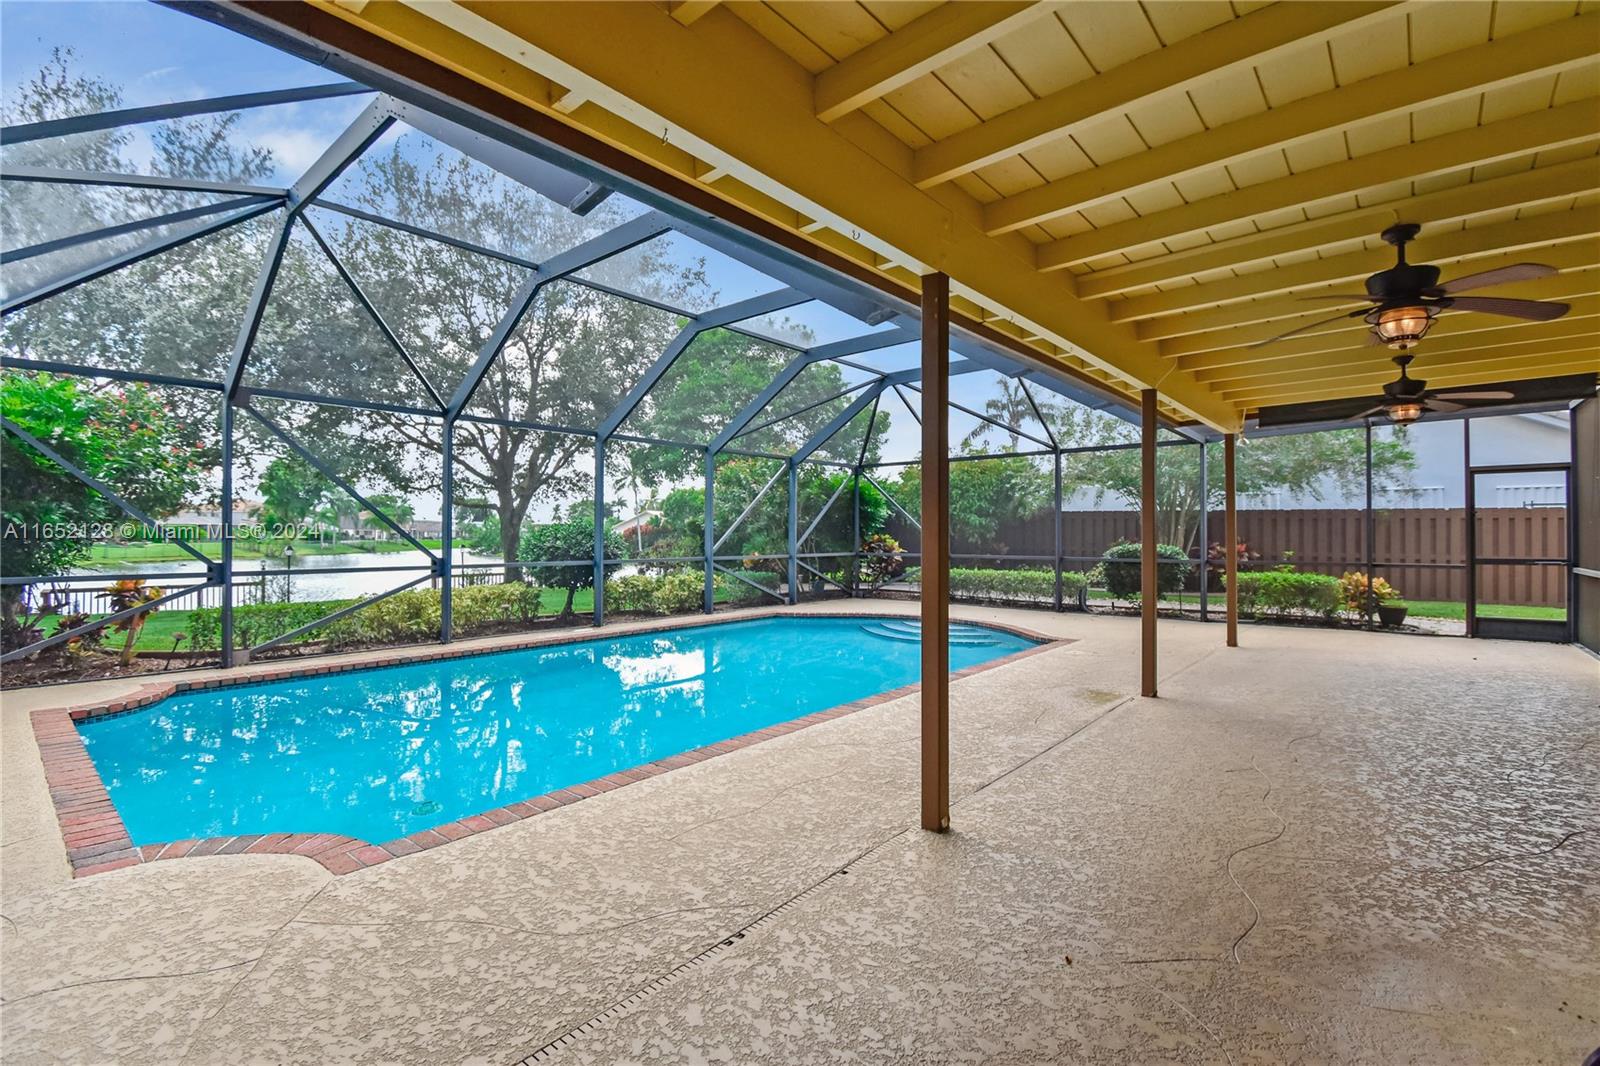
1302,329
1533,310
1338,296
1443,406
1502,276
1493,394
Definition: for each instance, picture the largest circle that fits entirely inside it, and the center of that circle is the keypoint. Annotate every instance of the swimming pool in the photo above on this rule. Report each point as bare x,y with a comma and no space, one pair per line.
382,753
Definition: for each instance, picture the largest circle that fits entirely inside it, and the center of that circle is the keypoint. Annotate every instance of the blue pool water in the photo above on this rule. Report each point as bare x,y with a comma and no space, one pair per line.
378,754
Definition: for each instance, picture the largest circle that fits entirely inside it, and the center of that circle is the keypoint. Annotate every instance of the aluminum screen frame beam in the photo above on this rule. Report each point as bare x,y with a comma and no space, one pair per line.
634,232
133,116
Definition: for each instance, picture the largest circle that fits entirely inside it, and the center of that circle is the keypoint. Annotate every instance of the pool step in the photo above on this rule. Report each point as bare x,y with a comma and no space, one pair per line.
907,633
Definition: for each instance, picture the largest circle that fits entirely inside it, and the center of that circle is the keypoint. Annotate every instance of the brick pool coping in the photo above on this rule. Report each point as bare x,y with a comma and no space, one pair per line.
97,841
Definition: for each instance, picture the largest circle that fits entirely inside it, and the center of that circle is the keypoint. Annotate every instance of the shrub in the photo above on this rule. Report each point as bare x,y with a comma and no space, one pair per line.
1285,593
564,542
743,595
676,593
483,606
680,593
1008,586
415,615
405,616
256,623
1122,565
631,593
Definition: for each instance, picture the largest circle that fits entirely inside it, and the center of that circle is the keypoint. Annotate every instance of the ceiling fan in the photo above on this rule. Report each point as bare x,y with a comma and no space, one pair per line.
1406,398
1408,296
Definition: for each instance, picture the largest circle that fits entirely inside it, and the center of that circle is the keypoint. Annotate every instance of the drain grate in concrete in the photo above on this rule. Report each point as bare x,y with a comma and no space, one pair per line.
622,1008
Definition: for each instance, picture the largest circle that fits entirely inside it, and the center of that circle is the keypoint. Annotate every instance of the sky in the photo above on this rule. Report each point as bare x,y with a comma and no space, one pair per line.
157,55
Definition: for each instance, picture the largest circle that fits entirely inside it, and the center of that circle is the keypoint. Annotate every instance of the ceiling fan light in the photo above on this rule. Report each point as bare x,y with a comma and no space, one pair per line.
1403,413
1402,327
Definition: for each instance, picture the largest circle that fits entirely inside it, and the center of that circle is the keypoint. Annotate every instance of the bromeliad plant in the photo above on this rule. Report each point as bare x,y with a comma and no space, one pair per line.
123,595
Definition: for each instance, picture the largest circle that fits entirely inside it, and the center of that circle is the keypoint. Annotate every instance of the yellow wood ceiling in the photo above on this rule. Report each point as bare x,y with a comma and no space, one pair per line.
1138,190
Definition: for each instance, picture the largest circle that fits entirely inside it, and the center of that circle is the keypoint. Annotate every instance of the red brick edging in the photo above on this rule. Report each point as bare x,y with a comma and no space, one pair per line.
97,841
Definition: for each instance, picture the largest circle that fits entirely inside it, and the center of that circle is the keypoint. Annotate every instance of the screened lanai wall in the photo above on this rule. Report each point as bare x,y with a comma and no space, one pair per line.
415,319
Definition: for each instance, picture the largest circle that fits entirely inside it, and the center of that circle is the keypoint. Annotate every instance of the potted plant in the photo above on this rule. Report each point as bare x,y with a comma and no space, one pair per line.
1358,597
1392,613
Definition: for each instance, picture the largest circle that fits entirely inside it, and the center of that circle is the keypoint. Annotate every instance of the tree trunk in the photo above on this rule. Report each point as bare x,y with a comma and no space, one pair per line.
572,591
510,529
135,627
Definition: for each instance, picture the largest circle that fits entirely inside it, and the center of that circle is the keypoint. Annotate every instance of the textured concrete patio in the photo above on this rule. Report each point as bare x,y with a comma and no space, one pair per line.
1320,847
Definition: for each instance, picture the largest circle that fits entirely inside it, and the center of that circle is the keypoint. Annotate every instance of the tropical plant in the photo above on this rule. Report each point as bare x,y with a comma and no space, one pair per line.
1354,592
125,595
880,561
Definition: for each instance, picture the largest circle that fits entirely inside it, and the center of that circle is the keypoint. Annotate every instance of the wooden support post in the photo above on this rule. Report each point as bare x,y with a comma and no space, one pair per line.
1230,527
935,552
1148,566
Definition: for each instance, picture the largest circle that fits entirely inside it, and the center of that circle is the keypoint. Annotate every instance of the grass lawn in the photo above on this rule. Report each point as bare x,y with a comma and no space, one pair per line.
158,633
1458,611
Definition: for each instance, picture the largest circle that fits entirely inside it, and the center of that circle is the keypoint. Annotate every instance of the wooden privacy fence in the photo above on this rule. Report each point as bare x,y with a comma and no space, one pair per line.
1421,551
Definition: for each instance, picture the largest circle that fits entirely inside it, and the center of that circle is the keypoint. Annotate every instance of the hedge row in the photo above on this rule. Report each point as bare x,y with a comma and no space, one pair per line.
676,593
405,616
1284,594
1008,586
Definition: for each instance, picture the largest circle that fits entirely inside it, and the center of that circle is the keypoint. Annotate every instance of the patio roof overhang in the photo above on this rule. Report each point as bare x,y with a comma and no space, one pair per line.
1131,194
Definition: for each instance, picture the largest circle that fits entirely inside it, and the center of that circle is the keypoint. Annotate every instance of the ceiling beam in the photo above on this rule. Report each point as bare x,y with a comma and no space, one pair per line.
1526,188
1539,52
1199,351
1291,311
685,12
1247,40
1535,359
1354,354
1505,139
716,91
921,46
1348,271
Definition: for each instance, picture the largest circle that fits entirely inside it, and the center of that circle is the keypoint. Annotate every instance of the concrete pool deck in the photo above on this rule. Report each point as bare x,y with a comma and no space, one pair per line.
1319,847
